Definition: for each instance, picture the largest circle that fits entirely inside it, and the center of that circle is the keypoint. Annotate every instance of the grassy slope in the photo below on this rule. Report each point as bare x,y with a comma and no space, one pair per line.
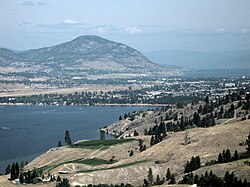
205,142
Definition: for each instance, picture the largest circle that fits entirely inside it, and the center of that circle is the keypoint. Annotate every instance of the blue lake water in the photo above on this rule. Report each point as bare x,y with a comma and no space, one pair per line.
28,131
216,73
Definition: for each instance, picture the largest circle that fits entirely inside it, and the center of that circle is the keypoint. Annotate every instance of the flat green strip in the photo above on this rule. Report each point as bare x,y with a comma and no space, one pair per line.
94,161
97,144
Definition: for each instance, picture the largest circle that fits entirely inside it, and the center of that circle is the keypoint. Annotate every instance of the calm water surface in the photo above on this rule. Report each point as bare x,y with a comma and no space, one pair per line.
28,131
216,73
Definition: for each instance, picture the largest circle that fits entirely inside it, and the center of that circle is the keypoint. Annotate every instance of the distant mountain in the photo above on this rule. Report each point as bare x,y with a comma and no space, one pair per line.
83,53
7,57
202,60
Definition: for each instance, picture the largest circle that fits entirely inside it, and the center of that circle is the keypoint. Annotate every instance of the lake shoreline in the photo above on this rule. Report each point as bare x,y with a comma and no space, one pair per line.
44,126
114,104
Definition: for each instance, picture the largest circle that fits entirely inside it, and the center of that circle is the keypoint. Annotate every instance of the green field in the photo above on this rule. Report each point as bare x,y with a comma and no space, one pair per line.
94,161
104,144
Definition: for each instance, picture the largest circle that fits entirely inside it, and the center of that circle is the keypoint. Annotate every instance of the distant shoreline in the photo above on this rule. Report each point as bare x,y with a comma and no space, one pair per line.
114,104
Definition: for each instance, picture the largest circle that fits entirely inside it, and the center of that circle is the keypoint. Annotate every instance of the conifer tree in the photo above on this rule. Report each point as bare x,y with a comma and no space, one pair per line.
28,177
120,118
236,155
172,181
152,141
22,166
220,158
67,138
59,144
12,172
131,153
248,144
158,180
64,183
227,155
168,174
145,183
21,178
150,177
16,170
198,162
7,170
136,133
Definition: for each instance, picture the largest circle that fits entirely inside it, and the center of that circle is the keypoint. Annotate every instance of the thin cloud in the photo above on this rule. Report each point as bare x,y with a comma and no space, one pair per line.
133,30
102,30
70,21
220,30
41,3
25,23
244,31
33,3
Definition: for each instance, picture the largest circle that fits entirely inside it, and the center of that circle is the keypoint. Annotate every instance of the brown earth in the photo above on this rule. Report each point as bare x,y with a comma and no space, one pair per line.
170,153
12,90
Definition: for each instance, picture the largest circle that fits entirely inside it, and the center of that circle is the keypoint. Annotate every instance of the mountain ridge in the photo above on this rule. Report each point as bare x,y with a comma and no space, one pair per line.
85,52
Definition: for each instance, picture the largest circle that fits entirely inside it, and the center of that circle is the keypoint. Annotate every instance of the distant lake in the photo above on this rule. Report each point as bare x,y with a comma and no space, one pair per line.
216,73
28,131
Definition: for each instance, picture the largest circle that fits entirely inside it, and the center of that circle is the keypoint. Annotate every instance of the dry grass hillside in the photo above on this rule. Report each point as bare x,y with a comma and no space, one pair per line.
92,165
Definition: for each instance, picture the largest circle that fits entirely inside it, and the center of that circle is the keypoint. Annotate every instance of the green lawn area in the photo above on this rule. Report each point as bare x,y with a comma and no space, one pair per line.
95,161
88,161
97,144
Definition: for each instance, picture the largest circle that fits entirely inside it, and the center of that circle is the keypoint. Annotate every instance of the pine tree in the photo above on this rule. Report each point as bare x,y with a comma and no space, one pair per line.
141,146
198,162
131,153
207,99
102,134
200,109
150,177
59,144
136,133
152,141
16,170
28,177
64,183
158,180
193,164
220,158
168,174
22,166
67,138
196,179
34,173
58,179
145,183
120,118
12,172
248,144
236,155
227,155
187,167
21,178
172,181
7,170
125,116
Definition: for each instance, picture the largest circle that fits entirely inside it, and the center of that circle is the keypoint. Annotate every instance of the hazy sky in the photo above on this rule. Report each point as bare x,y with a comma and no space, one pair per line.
147,25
